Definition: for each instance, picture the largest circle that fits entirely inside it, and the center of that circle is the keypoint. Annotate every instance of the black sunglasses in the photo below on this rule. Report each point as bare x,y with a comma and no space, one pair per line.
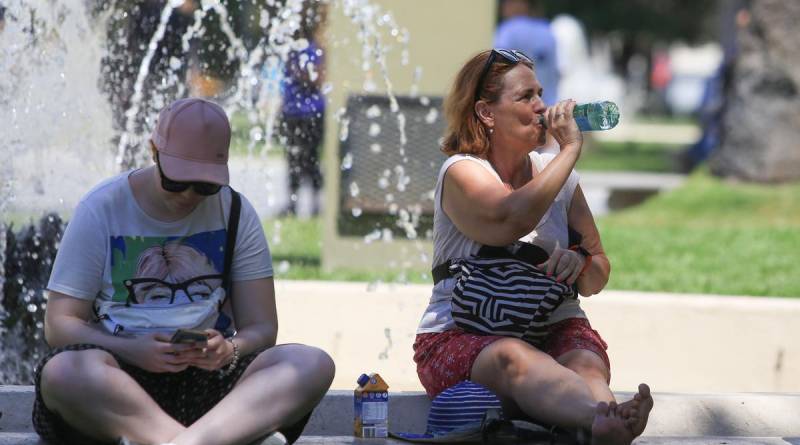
511,56
131,284
201,188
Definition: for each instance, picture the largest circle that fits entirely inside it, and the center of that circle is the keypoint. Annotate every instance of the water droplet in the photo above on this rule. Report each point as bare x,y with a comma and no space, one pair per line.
383,182
425,101
347,161
433,113
373,112
354,190
32,308
256,134
372,236
356,211
375,148
175,63
283,267
344,130
374,129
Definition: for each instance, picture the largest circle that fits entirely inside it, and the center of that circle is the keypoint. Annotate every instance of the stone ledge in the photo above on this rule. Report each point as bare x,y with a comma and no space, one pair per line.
675,415
33,439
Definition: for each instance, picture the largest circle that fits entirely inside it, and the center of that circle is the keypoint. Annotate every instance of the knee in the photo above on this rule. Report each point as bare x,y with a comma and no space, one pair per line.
313,364
514,359
74,372
588,365
320,365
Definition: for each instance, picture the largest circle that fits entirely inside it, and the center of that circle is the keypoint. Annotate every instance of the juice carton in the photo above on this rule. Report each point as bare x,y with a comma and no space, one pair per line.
371,406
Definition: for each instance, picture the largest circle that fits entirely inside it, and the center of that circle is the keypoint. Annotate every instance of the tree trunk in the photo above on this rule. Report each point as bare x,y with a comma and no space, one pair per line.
761,121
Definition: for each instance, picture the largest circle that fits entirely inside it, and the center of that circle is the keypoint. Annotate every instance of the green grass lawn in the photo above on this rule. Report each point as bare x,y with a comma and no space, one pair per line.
621,156
709,236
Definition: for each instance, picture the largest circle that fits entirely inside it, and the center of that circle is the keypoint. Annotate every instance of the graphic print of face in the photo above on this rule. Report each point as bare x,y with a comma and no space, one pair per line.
174,273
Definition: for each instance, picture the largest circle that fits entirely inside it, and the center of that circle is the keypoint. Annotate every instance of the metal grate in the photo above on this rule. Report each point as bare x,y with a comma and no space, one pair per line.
379,174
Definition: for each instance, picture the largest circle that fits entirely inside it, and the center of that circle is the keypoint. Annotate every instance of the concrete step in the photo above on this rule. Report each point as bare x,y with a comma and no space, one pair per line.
33,439
752,415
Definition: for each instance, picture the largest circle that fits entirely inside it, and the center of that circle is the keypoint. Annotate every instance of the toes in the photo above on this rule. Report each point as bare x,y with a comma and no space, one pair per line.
612,409
602,409
644,390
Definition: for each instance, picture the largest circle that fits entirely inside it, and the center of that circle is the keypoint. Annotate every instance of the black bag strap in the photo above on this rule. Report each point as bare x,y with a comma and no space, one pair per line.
526,252
230,241
575,237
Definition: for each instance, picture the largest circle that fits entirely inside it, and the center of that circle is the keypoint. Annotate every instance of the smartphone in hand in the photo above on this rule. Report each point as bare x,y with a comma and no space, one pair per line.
189,336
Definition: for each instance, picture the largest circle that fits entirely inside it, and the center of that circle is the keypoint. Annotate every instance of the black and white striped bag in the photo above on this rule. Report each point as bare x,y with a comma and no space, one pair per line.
505,296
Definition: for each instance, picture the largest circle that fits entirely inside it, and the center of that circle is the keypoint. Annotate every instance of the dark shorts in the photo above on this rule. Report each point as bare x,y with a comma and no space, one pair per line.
446,358
185,396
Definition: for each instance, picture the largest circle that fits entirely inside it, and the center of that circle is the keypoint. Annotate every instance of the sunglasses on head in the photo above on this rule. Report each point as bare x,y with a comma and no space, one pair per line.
510,56
201,188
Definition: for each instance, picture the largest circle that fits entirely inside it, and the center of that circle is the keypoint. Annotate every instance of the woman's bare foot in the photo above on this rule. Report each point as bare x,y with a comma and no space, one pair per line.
609,427
637,410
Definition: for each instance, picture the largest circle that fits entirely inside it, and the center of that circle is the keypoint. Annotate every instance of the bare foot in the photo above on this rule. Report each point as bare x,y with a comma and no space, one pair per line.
637,410
609,427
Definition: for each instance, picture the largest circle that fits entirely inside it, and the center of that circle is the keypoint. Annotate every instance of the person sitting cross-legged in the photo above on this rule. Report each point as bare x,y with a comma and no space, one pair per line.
146,254
504,311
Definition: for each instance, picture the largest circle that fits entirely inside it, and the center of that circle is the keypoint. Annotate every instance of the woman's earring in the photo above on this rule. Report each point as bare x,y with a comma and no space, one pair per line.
491,130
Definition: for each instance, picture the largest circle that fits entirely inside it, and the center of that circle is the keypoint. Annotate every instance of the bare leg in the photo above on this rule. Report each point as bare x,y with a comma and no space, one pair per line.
278,388
547,391
541,387
90,391
592,369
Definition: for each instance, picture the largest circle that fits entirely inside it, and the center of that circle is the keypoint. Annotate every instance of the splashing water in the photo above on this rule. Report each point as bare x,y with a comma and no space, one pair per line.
63,133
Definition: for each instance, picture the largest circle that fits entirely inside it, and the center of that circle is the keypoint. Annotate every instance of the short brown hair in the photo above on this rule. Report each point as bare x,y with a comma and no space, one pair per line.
465,133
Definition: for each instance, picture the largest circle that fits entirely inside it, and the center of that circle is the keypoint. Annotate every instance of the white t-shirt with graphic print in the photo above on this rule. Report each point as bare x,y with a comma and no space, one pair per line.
110,241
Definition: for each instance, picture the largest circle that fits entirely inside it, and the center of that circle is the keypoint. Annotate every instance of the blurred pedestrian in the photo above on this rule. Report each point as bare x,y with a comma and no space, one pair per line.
525,29
714,103
303,109
2,17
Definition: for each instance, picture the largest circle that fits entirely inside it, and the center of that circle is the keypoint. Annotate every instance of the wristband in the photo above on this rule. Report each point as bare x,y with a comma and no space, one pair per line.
232,365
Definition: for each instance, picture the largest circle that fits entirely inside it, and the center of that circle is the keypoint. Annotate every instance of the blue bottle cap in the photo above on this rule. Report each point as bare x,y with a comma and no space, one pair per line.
362,380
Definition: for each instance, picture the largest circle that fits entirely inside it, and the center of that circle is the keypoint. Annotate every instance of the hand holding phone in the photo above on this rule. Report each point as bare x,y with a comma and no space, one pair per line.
189,336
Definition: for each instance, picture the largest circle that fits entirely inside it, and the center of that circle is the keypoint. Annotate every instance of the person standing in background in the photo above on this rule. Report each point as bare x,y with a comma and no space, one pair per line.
304,108
525,29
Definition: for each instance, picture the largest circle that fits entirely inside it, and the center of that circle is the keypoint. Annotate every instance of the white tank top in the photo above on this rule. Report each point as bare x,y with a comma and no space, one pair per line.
449,243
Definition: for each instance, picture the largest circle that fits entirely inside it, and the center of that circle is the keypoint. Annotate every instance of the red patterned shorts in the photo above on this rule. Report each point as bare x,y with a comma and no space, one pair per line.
445,358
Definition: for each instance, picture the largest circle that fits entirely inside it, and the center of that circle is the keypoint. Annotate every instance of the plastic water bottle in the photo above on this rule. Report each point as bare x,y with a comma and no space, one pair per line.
595,116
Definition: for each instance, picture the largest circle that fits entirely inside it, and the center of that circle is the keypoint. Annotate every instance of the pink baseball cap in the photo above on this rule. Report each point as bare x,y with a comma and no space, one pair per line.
192,137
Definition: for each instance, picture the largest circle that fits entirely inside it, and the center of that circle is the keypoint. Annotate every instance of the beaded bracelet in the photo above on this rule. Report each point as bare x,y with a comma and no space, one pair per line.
232,365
